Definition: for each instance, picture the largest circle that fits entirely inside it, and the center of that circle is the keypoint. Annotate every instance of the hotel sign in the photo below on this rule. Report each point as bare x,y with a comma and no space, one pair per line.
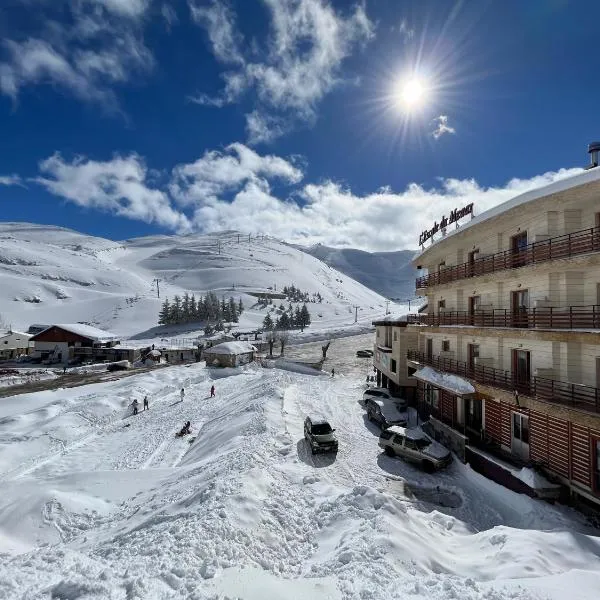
455,215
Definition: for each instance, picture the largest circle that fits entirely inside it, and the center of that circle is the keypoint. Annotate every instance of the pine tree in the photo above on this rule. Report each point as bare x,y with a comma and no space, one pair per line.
219,326
304,317
176,310
268,323
193,309
224,309
240,307
163,315
283,322
297,317
185,308
233,314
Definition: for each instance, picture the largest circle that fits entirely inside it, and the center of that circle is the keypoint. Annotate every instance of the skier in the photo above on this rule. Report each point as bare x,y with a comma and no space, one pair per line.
135,406
187,428
146,407
212,391
182,394
333,372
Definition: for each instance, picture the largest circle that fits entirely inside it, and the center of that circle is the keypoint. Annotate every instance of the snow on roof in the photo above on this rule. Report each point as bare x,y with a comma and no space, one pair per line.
451,383
93,333
553,188
13,332
413,433
231,348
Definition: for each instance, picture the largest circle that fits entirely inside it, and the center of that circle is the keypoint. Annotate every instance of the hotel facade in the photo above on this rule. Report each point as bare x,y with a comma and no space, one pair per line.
507,356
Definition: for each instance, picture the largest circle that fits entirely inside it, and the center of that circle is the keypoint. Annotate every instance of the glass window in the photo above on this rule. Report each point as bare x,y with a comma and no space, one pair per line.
410,444
525,429
445,346
393,365
321,429
423,443
398,440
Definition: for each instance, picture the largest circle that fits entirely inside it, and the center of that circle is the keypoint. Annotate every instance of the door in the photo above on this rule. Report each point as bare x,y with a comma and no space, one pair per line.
472,258
519,306
520,435
429,349
518,249
474,304
473,414
473,353
522,370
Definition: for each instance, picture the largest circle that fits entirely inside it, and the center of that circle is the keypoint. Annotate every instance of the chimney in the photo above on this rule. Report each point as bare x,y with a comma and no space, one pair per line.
593,151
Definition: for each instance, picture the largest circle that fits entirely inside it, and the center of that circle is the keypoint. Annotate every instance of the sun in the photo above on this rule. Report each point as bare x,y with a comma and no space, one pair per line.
412,94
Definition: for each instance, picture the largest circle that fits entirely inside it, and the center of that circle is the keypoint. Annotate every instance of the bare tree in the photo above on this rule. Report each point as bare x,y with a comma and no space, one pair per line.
325,348
283,335
270,339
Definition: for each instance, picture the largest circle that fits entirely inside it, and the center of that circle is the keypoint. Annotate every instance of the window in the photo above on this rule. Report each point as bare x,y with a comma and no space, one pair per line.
431,395
321,429
441,304
473,350
386,435
442,266
398,439
445,346
411,444
411,371
393,365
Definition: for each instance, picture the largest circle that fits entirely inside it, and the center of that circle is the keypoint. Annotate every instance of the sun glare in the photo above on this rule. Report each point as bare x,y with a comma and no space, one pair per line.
412,94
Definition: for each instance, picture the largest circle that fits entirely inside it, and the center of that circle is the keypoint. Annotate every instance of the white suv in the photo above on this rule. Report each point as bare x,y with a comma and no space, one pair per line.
381,393
416,446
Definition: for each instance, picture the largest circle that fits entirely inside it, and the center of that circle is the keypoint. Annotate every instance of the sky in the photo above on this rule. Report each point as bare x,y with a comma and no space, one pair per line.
351,124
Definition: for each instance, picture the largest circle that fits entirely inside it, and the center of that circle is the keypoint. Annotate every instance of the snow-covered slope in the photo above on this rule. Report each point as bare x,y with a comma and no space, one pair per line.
53,275
388,273
96,504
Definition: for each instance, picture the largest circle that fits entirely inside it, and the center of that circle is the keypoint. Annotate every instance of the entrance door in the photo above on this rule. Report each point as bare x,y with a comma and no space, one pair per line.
429,349
520,435
519,306
474,303
522,370
518,248
471,264
473,414
473,353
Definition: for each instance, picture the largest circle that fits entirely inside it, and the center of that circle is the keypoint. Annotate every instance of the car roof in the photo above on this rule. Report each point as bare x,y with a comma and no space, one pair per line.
315,420
412,433
378,389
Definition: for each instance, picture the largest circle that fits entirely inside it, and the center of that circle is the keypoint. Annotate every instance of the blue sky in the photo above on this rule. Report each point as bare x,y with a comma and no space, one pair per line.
123,118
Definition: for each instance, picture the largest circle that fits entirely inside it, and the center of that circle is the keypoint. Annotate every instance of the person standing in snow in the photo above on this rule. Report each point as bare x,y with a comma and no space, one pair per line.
135,406
146,407
182,394
333,372
212,391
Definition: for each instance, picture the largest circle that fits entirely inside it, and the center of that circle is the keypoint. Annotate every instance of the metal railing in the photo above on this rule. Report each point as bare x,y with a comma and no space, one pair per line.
562,246
568,317
560,392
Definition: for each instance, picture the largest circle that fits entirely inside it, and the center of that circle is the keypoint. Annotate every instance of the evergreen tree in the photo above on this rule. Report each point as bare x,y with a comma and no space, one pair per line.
208,330
297,317
240,307
233,314
219,326
176,310
164,314
268,323
224,309
283,322
193,309
185,308
304,317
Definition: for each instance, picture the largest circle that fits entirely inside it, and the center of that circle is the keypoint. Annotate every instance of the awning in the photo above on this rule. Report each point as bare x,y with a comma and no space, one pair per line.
446,381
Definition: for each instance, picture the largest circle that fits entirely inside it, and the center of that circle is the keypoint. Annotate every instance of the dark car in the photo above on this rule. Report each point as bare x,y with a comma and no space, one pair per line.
385,412
364,353
319,435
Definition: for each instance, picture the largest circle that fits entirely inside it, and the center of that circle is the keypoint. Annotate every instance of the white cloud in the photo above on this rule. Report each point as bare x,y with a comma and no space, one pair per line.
216,173
442,127
264,128
11,180
307,44
102,45
117,186
169,15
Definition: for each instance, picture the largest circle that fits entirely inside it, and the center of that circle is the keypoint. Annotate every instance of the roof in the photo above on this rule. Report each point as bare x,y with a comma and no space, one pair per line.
318,420
582,178
451,383
86,331
230,348
395,321
13,332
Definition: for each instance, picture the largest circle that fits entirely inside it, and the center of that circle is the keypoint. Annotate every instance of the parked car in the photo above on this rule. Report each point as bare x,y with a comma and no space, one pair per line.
121,365
320,435
383,393
364,353
414,445
385,412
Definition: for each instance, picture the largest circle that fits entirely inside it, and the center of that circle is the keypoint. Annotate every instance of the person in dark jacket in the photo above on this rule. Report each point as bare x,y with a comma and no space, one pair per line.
146,407
212,391
187,428
135,406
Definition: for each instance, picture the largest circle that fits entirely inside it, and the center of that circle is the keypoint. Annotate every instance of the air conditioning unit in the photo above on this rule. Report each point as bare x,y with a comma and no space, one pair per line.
483,362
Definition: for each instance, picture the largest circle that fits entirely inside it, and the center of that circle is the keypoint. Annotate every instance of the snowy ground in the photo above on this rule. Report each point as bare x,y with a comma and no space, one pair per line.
99,504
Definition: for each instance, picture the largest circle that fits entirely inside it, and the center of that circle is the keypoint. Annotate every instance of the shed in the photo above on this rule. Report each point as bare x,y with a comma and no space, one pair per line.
230,354
60,343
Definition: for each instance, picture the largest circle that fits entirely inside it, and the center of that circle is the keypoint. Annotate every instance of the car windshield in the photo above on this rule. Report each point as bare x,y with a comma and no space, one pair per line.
422,443
321,428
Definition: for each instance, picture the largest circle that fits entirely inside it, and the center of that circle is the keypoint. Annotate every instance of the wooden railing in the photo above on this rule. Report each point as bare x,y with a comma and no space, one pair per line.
549,390
568,317
562,246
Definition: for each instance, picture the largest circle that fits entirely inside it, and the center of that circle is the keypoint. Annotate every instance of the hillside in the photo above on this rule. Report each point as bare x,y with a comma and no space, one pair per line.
51,274
388,273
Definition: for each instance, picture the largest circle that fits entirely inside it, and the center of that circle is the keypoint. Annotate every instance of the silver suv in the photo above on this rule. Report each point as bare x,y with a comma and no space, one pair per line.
385,413
416,446
383,394
319,435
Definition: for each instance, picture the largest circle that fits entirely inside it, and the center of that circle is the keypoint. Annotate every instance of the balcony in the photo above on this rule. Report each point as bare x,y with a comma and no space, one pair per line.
563,246
567,317
573,395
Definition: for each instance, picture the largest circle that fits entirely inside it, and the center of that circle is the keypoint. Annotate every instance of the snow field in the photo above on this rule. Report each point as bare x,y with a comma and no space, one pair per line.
94,509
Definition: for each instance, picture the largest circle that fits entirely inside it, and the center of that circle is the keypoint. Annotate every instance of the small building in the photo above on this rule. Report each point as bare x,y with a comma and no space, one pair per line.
13,344
229,354
61,343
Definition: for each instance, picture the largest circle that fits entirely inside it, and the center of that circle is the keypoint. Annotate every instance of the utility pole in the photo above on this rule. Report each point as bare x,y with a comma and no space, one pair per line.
355,313
157,287
238,238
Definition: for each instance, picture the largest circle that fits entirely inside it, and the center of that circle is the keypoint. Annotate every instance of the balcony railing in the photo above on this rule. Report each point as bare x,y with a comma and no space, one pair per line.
562,246
560,392
569,317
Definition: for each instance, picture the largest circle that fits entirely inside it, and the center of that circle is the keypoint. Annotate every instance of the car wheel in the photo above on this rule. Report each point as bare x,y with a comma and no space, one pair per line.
390,451
428,466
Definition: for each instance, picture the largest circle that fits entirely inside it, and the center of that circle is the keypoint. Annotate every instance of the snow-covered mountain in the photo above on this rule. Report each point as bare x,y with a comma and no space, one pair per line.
388,273
50,274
